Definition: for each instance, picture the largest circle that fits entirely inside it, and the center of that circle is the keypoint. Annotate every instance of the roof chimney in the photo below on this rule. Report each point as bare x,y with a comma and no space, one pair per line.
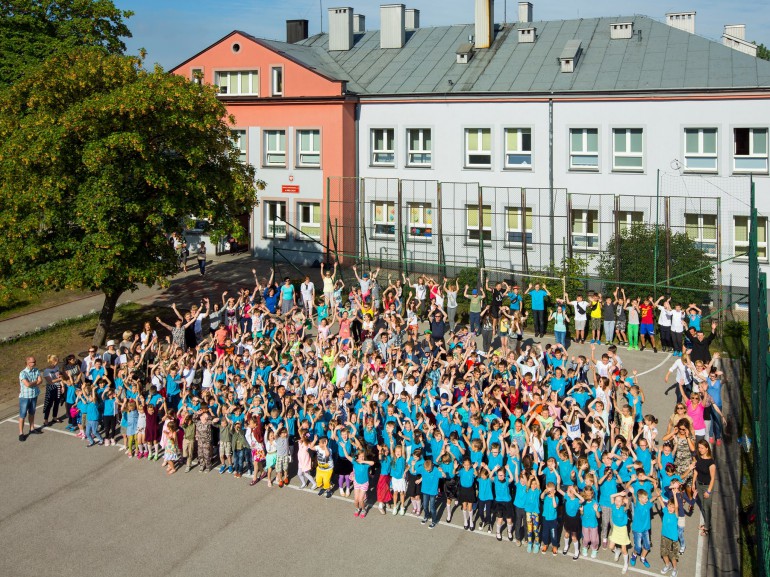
525,12
340,28
621,30
735,37
392,25
359,23
527,35
736,31
570,55
485,23
296,30
682,20
412,19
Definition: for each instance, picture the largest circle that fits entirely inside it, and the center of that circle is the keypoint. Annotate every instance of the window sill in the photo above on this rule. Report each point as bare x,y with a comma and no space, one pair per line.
419,166
419,239
518,168
746,259
584,170
382,166
585,249
750,173
487,167
701,171
275,166
476,244
307,166
628,171
391,238
517,246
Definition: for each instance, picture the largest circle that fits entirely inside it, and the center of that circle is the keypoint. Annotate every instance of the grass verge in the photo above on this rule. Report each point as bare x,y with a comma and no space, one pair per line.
22,302
73,336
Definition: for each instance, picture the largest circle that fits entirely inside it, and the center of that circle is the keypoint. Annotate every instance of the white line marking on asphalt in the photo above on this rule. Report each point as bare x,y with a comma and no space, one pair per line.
699,552
656,367
478,533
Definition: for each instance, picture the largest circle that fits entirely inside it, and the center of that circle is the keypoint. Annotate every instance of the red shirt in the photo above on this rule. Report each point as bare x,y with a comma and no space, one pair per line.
646,314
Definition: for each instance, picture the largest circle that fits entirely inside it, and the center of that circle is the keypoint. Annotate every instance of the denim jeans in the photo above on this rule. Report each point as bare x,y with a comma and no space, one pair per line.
609,331
92,432
641,541
240,457
429,503
561,337
475,323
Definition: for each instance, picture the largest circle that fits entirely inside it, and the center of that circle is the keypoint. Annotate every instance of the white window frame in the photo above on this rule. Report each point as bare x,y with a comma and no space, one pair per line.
479,151
521,151
194,72
304,156
237,74
303,223
626,219
627,152
529,232
422,227
421,150
584,152
384,228
272,150
388,150
585,217
276,74
281,228
703,243
743,246
700,155
752,155
486,231
239,137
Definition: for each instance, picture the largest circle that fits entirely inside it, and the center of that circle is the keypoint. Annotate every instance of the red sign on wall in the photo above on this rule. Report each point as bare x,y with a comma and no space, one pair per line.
290,188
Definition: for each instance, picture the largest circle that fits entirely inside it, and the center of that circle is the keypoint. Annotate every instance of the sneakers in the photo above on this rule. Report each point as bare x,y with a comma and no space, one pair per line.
594,553
576,556
329,494
186,469
321,491
681,550
395,510
432,525
674,573
357,513
424,520
645,562
584,551
472,527
666,569
617,554
222,469
22,438
403,511
529,547
654,349
625,569
280,483
633,560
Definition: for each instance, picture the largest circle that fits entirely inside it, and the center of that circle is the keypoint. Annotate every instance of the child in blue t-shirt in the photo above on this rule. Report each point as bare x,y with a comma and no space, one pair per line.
640,527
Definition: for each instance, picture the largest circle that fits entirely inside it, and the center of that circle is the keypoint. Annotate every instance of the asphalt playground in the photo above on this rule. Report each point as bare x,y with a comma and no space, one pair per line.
72,510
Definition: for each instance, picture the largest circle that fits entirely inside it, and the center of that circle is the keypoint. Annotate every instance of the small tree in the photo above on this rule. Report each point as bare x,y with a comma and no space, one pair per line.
763,52
636,265
99,160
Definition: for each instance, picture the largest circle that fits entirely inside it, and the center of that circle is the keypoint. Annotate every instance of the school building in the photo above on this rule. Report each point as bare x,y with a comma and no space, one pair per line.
509,145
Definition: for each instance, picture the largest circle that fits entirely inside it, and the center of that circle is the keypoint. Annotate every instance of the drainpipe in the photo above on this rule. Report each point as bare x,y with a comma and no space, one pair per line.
359,209
551,215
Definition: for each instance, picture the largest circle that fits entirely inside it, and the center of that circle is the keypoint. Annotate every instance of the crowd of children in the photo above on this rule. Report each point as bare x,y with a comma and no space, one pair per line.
551,451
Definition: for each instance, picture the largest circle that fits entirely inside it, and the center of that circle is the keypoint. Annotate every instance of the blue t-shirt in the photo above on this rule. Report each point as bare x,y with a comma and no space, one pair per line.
466,477
485,489
360,472
521,496
641,521
589,518
549,510
532,501
397,468
619,516
670,528
92,412
172,385
515,301
430,479
385,463
538,299
109,407
502,490
571,506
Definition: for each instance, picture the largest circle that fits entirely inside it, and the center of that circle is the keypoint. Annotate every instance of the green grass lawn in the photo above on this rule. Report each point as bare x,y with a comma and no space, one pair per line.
22,302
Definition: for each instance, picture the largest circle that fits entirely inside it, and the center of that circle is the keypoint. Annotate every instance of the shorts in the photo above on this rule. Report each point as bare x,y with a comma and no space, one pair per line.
270,460
647,329
580,325
27,406
361,486
398,485
504,509
466,494
596,324
669,548
225,448
494,312
620,326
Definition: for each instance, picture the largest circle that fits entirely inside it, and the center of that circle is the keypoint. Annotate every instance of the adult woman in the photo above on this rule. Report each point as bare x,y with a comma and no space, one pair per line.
53,390
680,412
684,445
560,325
703,482
696,407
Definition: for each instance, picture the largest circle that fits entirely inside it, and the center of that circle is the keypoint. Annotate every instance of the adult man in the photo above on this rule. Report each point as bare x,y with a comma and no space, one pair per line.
497,303
699,349
30,380
201,257
538,307
647,328
307,291
580,317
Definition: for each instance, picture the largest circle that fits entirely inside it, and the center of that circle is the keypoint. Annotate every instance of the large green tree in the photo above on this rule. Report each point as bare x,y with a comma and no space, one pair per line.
763,52
691,269
99,160
34,30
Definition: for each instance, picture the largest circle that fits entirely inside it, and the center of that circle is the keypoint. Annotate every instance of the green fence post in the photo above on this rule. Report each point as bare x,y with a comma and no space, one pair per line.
657,234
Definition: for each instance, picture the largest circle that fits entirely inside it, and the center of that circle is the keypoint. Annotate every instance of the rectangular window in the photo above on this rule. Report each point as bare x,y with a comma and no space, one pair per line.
700,149
750,152
420,146
472,222
518,148
702,228
275,213
627,152
239,142
513,230
420,219
275,148
309,148
628,218
741,228
238,83
584,149
585,229
276,81
196,75
478,147
309,220
383,150
384,219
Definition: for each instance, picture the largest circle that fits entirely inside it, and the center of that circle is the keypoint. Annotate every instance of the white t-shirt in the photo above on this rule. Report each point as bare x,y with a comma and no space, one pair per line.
676,321
578,315
664,319
603,369
420,291
681,371
307,290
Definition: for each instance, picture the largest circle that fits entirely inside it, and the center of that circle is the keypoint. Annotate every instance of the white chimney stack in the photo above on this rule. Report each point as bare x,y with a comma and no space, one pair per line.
359,23
525,12
682,20
340,28
485,23
412,19
392,25
734,36
736,31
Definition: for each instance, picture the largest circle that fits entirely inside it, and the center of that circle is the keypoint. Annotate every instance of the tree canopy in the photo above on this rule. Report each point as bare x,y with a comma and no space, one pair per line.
690,267
33,30
763,52
99,160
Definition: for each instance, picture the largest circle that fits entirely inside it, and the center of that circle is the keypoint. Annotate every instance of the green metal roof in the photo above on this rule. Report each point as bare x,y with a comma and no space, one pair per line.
660,58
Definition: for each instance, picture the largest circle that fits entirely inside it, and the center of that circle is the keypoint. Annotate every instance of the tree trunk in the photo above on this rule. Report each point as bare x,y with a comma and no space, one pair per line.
105,317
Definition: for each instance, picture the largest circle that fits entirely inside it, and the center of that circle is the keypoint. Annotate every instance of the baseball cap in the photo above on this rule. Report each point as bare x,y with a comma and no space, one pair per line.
515,286
110,343
475,292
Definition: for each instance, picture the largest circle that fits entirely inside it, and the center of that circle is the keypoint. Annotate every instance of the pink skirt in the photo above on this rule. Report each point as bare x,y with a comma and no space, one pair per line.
383,489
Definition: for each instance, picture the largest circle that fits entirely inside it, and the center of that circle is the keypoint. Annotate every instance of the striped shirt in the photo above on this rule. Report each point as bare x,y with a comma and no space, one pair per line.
31,375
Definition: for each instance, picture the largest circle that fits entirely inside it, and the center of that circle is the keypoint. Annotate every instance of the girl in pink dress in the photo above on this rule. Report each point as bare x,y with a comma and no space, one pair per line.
304,463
